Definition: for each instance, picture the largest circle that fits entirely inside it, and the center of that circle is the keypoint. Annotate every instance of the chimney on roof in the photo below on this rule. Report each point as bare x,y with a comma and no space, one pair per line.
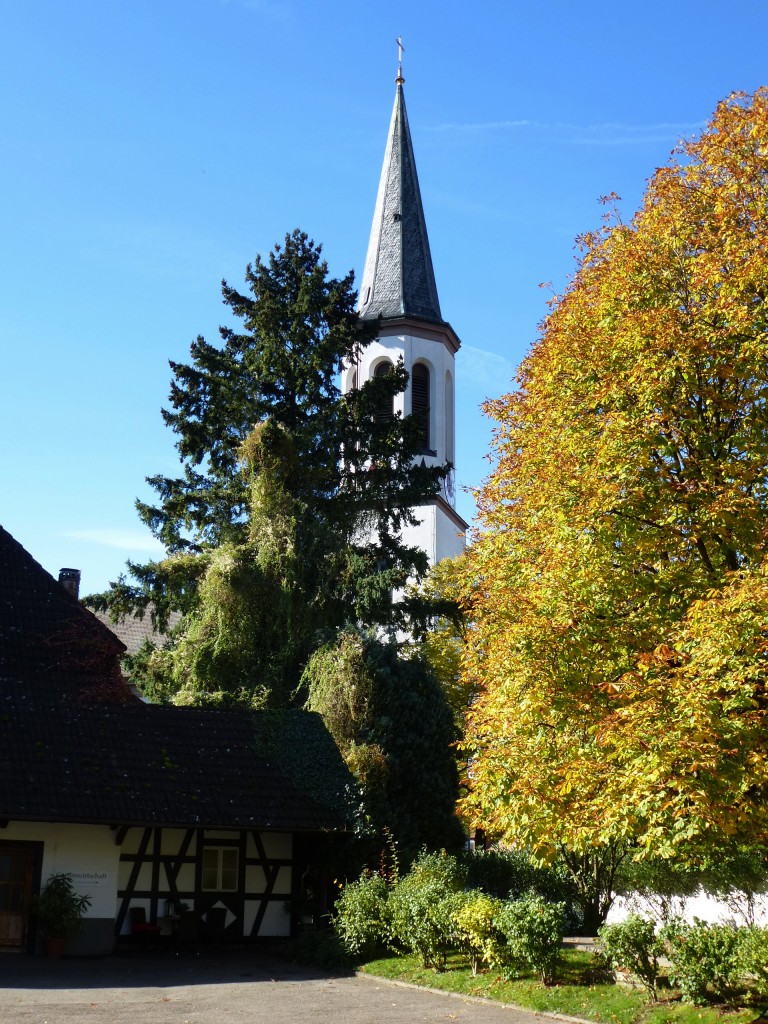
70,580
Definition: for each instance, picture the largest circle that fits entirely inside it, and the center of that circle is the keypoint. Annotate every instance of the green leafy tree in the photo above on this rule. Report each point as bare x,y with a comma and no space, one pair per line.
287,518
617,593
394,728
262,601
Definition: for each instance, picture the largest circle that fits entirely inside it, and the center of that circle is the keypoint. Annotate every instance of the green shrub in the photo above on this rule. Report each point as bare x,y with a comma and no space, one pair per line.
510,874
360,917
475,933
533,930
440,867
321,948
421,906
633,945
505,874
421,921
753,954
705,960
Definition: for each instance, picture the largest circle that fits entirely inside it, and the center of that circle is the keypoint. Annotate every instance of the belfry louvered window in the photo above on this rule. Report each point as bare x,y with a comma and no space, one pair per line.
420,404
386,407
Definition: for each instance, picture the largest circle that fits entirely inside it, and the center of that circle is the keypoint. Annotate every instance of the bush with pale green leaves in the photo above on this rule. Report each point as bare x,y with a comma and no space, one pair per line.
421,906
475,931
533,931
633,945
360,917
705,960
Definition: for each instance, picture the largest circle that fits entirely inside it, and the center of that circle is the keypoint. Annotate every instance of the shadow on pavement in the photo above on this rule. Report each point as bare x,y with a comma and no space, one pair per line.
155,970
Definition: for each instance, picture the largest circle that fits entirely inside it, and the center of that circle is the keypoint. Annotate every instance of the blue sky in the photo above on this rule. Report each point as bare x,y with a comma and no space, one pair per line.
153,147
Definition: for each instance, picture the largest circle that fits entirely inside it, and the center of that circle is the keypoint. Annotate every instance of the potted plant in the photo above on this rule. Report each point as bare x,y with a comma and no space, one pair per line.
59,909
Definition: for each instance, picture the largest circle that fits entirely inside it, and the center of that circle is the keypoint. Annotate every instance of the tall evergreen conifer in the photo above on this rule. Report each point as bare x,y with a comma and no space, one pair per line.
285,523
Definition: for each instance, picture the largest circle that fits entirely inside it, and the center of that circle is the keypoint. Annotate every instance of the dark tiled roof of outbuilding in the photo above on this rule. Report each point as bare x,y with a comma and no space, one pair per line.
76,746
147,764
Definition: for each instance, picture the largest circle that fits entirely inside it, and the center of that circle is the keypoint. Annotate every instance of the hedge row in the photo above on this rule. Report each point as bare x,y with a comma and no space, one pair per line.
429,912
707,962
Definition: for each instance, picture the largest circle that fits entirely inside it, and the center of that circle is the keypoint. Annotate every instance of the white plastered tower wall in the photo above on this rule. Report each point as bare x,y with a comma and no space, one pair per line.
440,530
398,290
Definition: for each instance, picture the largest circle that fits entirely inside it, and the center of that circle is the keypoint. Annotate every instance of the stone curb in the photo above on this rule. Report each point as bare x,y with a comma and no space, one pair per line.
475,999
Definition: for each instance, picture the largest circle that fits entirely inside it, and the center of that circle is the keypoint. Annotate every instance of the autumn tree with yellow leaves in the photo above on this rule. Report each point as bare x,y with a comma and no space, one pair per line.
618,590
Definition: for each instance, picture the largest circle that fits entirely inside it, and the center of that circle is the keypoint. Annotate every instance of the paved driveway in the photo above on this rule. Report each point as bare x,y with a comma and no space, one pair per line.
244,988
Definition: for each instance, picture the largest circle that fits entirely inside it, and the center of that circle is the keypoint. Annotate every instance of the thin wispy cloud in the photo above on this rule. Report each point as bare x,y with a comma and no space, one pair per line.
479,126
489,372
610,133
125,540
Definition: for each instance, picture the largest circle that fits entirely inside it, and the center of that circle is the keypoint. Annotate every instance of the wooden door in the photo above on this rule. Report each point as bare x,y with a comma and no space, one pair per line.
16,877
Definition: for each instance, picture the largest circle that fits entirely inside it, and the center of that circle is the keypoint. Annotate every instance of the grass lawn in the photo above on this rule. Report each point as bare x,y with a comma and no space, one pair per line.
574,995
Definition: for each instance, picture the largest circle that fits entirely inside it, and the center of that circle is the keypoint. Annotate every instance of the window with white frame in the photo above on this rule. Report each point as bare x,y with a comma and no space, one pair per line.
220,868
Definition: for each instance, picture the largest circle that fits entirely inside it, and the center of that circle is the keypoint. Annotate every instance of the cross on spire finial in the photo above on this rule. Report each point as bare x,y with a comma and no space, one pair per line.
400,49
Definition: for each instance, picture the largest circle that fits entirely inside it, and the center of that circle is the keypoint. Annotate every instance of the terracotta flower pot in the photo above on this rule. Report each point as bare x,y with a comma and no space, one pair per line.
54,947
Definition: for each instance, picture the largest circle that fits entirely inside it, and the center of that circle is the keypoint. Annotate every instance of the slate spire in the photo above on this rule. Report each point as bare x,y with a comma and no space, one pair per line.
398,279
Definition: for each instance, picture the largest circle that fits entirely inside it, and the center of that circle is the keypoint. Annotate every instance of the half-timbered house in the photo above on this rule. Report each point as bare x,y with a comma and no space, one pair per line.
150,808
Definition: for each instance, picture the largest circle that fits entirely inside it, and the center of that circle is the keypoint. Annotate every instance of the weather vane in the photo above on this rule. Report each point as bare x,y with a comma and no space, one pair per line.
400,49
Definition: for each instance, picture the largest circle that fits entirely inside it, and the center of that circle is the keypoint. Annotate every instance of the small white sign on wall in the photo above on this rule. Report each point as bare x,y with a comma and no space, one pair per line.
89,879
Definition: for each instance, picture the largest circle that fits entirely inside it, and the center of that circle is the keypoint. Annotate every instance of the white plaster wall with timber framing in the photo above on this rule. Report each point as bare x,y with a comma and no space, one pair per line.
248,873
89,854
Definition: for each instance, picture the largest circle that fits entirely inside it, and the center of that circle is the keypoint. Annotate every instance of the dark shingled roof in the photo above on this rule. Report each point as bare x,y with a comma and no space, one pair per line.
76,746
48,641
135,630
145,764
398,279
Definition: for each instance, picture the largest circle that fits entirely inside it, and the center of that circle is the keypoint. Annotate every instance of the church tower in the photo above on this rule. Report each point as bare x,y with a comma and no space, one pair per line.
398,290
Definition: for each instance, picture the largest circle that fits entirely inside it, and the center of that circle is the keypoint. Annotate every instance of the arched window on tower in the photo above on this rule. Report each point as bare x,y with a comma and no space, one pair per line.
386,407
420,405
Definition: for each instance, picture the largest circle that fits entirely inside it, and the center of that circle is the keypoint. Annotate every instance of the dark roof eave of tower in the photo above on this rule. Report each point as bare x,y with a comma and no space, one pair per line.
458,521
419,326
398,279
